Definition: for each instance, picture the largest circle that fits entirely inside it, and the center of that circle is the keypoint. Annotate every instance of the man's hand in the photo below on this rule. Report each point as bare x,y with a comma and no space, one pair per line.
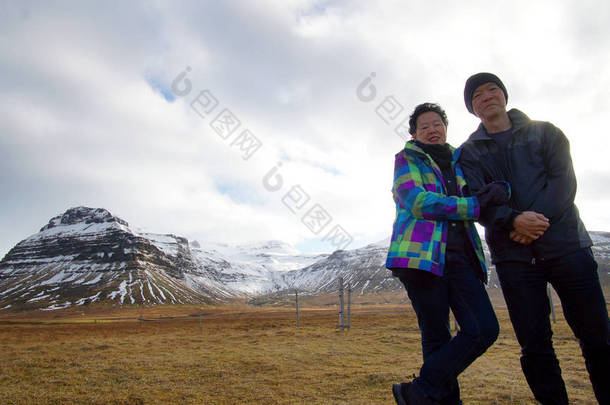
520,238
531,224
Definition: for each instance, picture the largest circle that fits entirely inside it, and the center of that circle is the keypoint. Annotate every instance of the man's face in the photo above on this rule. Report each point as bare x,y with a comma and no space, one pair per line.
488,100
430,129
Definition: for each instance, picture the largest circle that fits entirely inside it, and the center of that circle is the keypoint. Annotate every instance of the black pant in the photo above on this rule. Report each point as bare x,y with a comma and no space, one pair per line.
445,357
574,277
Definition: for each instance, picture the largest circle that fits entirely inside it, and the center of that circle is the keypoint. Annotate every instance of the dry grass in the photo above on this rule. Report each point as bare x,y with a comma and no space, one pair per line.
246,356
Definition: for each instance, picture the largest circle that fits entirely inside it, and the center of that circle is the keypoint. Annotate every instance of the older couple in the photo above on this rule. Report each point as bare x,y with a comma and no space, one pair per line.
515,177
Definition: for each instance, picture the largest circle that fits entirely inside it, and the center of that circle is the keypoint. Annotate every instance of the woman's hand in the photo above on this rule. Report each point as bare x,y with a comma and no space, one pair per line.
515,236
492,194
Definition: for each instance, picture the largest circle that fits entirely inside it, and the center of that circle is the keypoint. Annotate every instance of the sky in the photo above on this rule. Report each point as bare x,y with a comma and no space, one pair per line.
242,121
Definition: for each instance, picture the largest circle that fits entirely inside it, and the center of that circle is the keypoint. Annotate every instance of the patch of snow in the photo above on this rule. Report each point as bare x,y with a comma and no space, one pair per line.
161,292
95,280
38,298
123,290
57,306
93,298
57,278
5,292
42,260
80,230
151,291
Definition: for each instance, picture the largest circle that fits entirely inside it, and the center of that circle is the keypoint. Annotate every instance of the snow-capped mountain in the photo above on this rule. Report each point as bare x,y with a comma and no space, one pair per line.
88,255
601,245
252,268
362,269
601,250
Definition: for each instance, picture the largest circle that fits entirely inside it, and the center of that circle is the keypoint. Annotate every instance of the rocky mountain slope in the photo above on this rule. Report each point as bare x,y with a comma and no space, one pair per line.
88,255
362,269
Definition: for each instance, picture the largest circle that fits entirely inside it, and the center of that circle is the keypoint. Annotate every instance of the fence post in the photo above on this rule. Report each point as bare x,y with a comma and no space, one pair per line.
296,300
341,321
349,306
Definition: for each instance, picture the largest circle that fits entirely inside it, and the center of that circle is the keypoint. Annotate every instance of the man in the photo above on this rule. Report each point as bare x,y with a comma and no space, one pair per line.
537,237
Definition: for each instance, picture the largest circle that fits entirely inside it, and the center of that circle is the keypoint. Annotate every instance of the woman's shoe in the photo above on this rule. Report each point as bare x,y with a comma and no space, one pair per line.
401,393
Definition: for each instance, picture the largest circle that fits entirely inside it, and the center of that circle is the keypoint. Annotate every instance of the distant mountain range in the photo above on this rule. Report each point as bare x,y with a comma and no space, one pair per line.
87,256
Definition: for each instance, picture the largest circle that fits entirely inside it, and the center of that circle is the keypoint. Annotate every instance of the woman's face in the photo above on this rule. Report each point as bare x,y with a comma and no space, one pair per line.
430,129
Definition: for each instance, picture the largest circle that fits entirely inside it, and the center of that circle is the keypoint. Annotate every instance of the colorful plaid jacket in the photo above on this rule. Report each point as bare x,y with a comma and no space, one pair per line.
419,235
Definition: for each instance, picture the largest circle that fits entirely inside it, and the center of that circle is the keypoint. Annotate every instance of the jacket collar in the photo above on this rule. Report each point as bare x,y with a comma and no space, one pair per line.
411,146
412,149
517,118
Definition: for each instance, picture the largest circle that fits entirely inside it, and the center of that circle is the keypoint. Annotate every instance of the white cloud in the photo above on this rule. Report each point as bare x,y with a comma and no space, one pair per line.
85,118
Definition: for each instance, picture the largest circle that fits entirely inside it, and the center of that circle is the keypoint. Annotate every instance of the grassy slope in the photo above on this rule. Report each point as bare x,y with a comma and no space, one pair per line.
246,356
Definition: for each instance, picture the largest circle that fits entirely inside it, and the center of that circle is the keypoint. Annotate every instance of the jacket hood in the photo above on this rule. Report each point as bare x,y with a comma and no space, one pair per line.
517,118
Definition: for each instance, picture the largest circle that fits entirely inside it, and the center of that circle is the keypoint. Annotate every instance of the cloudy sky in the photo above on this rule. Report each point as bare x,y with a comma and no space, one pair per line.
240,121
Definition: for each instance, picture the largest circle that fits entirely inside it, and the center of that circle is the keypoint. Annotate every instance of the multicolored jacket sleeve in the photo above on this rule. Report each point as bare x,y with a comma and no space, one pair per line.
417,190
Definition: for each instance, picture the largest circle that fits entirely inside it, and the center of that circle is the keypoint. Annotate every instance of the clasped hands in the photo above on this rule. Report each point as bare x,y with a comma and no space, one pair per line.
529,226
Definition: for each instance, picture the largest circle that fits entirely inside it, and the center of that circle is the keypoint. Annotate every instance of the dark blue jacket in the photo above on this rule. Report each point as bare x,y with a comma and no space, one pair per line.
538,167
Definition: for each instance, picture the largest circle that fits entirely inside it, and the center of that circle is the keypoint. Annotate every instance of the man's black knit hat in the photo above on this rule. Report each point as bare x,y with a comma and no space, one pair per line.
475,81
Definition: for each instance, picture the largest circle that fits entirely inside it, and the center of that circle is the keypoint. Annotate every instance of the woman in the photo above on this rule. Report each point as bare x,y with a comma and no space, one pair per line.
436,253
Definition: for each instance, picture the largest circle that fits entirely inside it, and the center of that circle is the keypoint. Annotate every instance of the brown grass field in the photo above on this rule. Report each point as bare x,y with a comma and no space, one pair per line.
246,355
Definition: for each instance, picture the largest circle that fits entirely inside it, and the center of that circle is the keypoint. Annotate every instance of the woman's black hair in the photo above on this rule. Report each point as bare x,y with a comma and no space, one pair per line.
424,108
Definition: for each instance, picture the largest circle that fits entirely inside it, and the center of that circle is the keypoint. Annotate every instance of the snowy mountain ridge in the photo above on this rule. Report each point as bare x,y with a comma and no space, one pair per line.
87,256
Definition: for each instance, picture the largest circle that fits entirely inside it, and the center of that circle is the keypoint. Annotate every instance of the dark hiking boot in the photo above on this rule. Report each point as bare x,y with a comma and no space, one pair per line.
415,397
401,393
407,394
